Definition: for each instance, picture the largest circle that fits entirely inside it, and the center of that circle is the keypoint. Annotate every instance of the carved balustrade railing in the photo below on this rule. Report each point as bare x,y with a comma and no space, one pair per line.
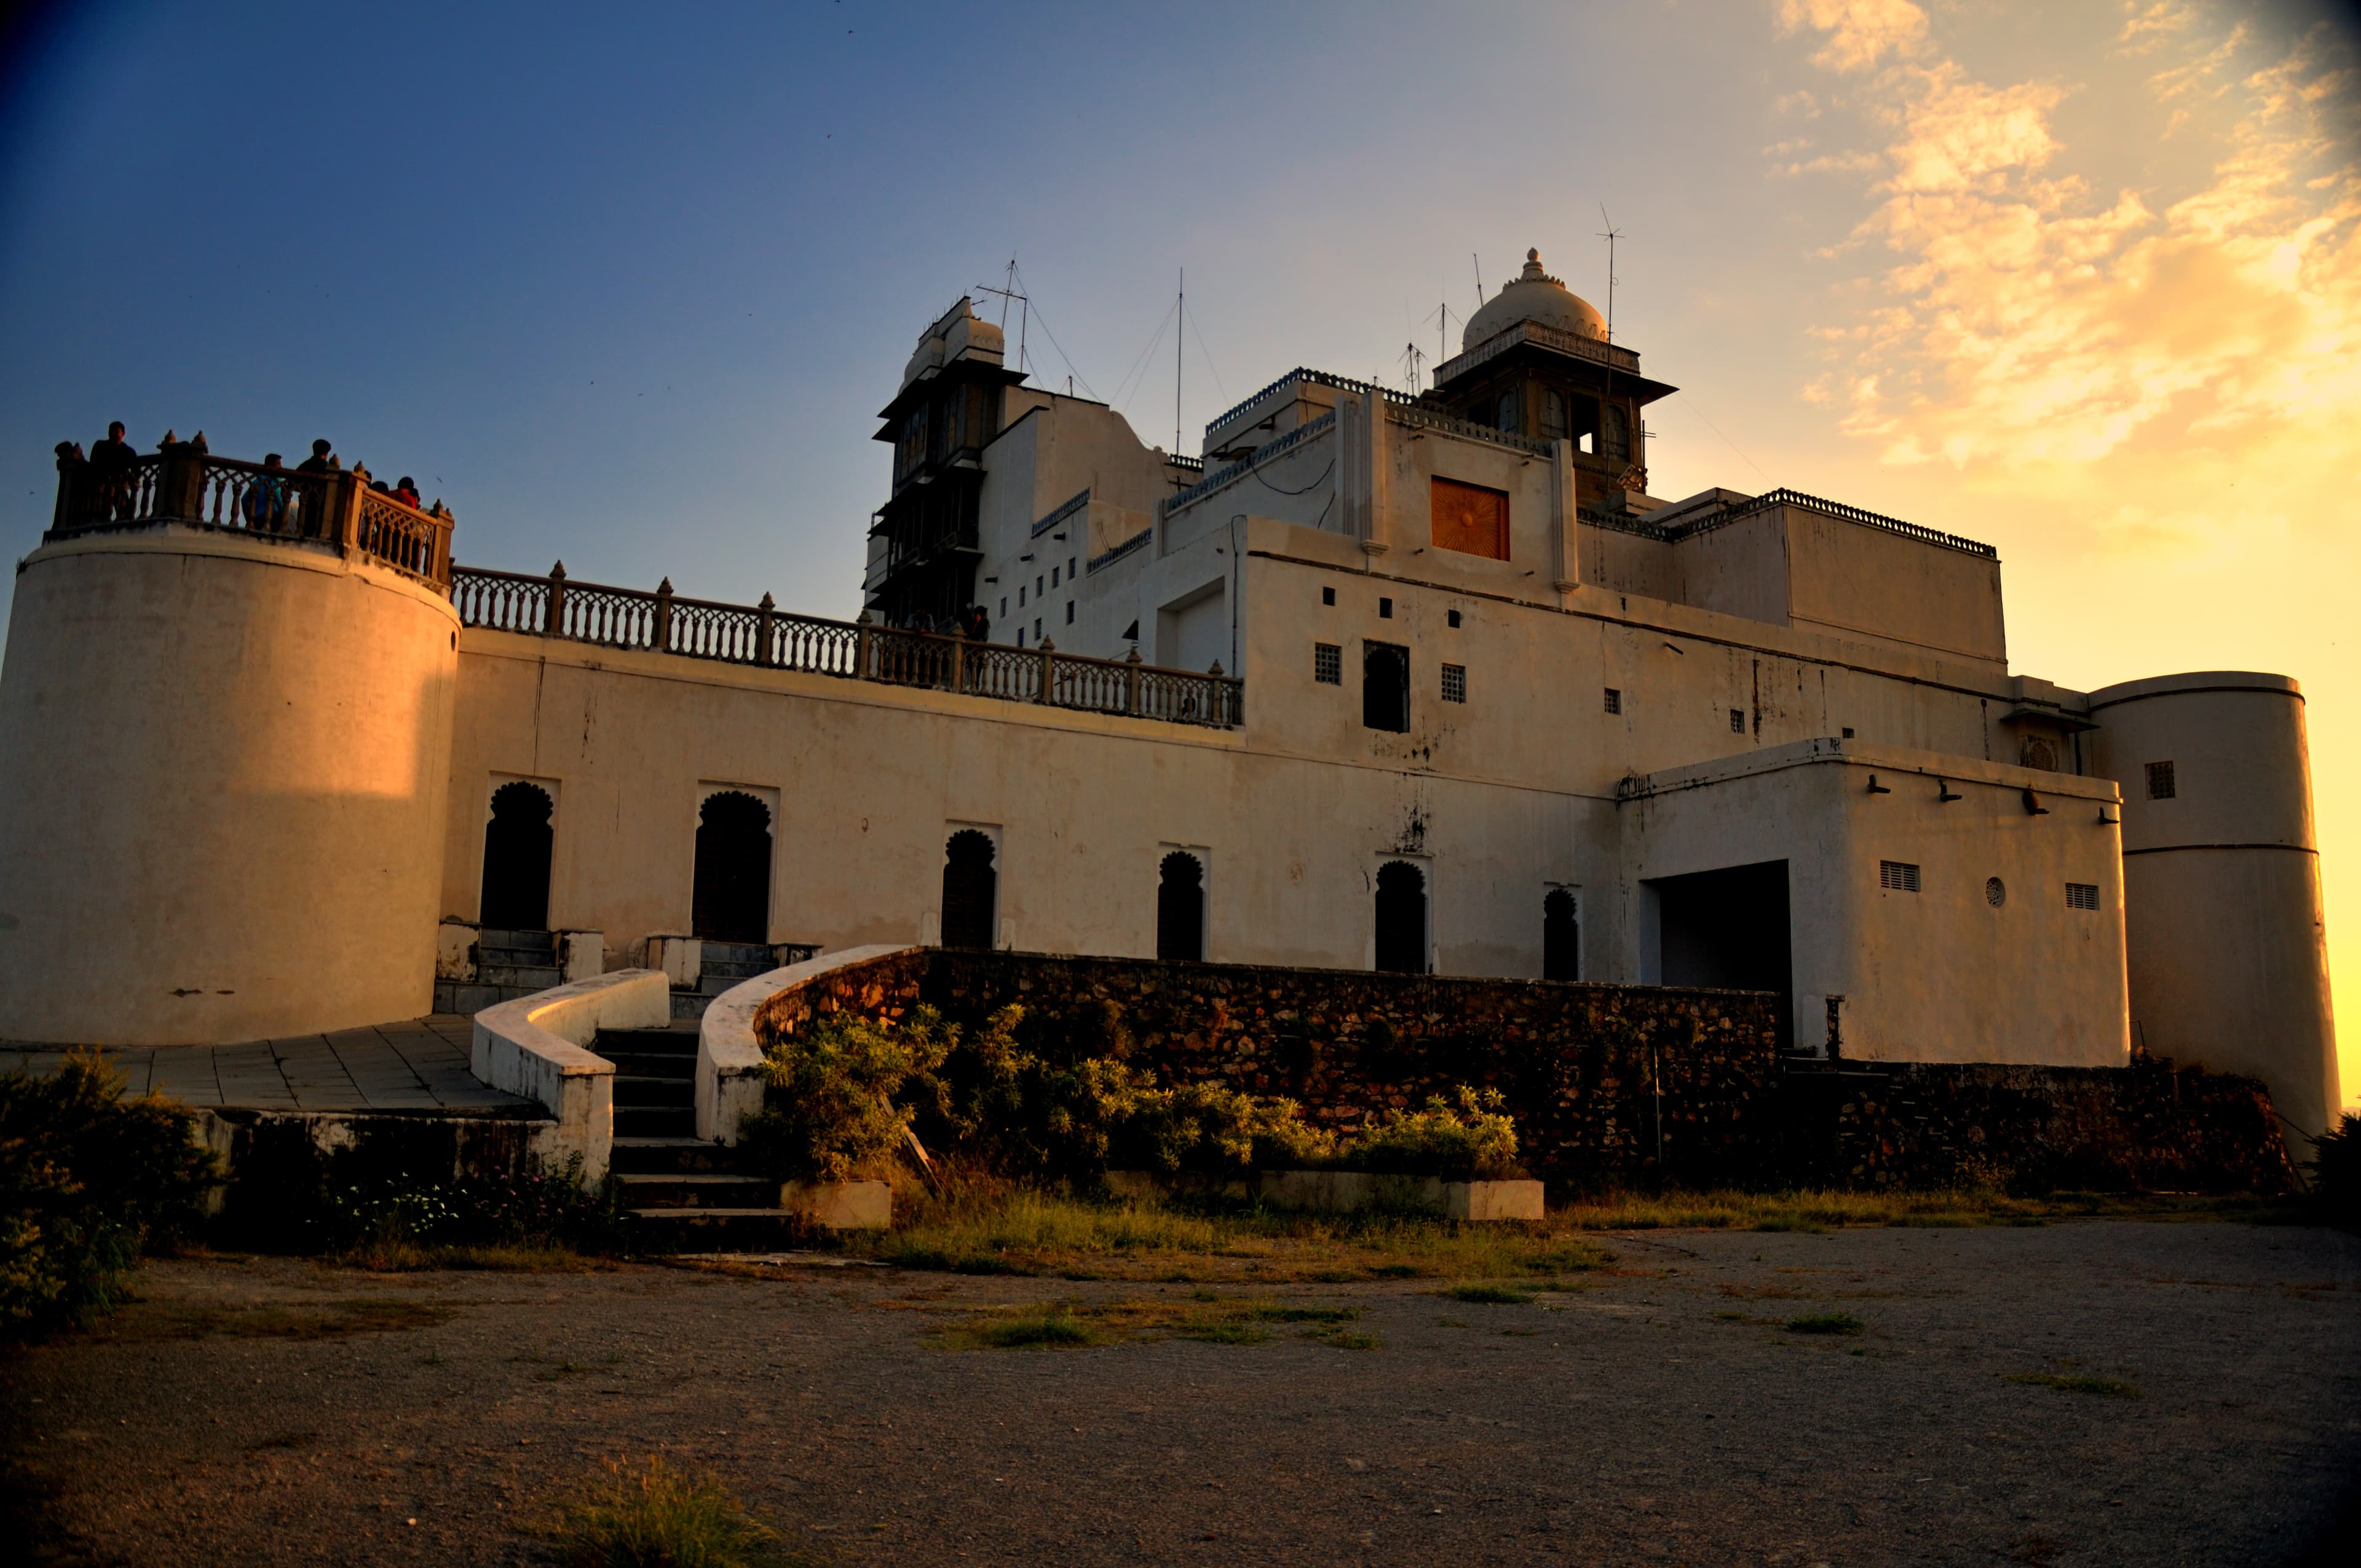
767,636
185,484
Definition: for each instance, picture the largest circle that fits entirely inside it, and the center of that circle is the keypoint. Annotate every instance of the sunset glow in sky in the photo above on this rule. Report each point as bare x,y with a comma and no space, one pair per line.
626,283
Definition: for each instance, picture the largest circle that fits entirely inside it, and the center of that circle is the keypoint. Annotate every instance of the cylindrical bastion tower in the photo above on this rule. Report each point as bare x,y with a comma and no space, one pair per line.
224,753
2225,941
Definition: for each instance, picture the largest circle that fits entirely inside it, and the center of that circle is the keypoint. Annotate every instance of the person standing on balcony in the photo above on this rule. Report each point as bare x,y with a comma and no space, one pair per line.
321,461
976,624
110,471
406,493
265,503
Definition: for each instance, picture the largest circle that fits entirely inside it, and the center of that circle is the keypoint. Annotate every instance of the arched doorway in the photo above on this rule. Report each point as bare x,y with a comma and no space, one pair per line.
1401,918
516,858
1180,910
971,889
1561,937
731,902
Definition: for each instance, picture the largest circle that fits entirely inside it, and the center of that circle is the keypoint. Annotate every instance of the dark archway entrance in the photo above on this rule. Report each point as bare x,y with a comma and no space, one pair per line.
1180,910
732,898
970,890
1728,928
516,860
1561,937
1401,918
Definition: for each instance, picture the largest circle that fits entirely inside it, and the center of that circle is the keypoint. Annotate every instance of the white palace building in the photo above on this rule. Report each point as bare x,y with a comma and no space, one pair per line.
1427,684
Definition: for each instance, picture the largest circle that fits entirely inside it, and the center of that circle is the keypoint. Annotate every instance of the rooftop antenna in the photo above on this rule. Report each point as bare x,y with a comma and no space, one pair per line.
1024,312
1442,319
1179,320
1411,356
1479,277
1610,234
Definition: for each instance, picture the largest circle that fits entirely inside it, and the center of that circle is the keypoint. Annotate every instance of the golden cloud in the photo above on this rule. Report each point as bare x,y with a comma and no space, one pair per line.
2028,321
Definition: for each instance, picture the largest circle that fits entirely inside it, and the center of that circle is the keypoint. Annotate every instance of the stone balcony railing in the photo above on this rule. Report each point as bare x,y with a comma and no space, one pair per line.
768,637
182,483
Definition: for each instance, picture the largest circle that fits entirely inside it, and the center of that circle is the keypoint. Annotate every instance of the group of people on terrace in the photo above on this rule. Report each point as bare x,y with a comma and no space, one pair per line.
267,500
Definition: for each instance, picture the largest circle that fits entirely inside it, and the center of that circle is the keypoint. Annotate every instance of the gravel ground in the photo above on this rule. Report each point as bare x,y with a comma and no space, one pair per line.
270,1411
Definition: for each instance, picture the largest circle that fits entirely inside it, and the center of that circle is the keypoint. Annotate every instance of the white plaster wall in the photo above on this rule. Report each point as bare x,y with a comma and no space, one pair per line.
222,791
2228,942
1939,975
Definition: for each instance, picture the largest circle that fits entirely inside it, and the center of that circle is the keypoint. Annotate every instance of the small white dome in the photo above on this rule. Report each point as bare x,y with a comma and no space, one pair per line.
1535,296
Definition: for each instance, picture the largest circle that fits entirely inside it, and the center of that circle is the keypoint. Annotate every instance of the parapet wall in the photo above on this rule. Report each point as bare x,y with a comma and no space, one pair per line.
1605,1081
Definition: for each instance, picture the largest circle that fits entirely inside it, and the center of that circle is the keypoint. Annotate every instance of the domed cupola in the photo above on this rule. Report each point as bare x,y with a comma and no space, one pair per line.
1535,297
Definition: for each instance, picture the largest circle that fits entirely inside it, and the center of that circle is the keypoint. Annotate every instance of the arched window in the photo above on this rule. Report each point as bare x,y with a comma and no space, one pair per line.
1553,415
1505,413
1385,686
971,888
1401,918
1561,937
733,897
516,858
1180,910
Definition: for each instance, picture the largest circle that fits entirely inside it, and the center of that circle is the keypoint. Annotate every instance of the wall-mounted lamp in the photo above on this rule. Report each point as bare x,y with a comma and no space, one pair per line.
1948,794
2033,806
1876,788
1024,557
2108,821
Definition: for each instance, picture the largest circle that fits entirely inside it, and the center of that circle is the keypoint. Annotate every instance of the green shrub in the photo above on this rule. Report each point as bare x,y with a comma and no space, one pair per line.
538,1205
2336,1170
1476,1142
1207,1129
87,1174
833,1082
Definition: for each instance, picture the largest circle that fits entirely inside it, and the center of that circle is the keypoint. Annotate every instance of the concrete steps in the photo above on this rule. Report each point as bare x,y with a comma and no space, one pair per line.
684,1193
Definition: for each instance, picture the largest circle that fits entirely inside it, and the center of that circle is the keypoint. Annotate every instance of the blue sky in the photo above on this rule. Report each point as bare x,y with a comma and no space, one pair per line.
626,284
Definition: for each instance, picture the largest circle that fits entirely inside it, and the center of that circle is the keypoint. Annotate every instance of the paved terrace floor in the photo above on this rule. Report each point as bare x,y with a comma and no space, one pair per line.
420,1065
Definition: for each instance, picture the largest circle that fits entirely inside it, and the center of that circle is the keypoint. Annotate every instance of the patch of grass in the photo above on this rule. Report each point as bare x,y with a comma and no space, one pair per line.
146,1321
658,1518
1049,1328
398,1257
1811,1211
1343,1340
2114,1387
1488,1295
981,1226
1730,1317
1827,1323
1206,1318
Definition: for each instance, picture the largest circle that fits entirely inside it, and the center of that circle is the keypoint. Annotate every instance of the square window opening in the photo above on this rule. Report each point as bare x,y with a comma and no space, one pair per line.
1614,700
1328,663
1328,596
1455,683
1069,612
1454,621
1384,610
1738,721
2161,785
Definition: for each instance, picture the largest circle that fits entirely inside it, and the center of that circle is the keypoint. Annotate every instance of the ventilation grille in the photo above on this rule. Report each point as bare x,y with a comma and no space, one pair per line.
2160,785
2082,895
1614,700
1455,683
1328,663
1897,876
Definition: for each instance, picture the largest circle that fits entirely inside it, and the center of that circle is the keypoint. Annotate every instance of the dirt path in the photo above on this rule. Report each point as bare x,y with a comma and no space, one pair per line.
274,1411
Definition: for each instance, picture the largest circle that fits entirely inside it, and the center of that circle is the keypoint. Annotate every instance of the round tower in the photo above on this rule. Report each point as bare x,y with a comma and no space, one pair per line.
2226,943
224,761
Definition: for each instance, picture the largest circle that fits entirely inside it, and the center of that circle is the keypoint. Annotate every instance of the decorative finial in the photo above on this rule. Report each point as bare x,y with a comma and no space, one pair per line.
664,587
1047,646
766,603
1216,669
558,571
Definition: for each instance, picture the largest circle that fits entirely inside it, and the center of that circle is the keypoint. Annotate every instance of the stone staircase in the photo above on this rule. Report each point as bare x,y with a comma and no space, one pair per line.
684,1192
508,965
726,964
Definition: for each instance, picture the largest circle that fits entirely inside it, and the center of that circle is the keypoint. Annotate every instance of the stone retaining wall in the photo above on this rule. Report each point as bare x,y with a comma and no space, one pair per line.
1605,1081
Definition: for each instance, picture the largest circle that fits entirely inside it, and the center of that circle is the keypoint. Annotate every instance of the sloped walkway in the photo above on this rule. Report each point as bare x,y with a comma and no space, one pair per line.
417,1066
